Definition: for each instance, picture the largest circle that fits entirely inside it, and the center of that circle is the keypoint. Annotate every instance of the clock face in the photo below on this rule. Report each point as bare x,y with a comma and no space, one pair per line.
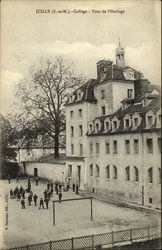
129,74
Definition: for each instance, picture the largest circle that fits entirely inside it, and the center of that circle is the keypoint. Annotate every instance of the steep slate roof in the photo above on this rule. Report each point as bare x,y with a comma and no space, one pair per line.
88,93
154,106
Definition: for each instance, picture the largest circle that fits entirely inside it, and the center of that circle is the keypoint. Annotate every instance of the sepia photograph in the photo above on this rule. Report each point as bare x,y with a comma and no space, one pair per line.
80,125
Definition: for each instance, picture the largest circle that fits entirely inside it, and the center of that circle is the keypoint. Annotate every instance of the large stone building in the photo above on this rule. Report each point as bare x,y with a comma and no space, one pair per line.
113,140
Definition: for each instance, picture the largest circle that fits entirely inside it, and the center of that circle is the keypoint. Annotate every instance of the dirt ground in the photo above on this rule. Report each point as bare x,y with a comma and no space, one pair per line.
31,225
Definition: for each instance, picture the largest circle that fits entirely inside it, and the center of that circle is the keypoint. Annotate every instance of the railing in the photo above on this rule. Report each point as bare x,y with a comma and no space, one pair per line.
109,239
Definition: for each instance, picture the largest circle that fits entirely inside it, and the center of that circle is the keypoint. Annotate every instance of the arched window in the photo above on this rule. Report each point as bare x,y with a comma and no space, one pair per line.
108,171
159,171
136,174
127,173
97,171
150,175
114,172
91,170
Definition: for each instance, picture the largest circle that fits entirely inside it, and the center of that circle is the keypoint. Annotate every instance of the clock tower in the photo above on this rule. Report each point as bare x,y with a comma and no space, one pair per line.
120,56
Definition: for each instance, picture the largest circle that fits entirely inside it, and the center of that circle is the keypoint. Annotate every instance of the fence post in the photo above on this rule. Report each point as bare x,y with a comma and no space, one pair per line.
72,243
50,245
131,239
92,241
148,232
112,234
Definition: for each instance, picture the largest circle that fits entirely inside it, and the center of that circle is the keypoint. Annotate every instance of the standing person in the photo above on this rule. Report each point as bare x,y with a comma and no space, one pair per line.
23,204
77,188
56,189
41,203
9,178
23,193
51,185
29,199
48,195
35,199
52,191
18,195
73,187
17,179
31,194
11,194
47,201
36,180
60,197
67,185
48,186
45,195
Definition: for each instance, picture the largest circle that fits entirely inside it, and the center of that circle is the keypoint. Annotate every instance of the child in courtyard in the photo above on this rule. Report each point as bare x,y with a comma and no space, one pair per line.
60,197
41,203
35,199
23,204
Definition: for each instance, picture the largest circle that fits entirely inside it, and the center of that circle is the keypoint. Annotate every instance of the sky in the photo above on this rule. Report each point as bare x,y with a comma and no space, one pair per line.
81,38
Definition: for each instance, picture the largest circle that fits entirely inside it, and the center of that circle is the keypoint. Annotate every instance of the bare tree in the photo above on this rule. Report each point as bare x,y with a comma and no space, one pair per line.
43,94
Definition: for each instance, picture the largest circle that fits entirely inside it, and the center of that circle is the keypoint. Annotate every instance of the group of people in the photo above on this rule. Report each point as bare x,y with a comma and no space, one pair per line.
19,193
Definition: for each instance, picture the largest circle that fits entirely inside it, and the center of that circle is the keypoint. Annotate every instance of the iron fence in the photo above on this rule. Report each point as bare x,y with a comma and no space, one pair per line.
109,239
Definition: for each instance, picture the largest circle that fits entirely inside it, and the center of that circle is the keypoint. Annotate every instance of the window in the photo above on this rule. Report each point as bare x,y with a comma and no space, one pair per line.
108,171
115,124
102,94
71,114
149,145
127,146
136,146
127,173
97,171
69,170
91,148
150,200
80,112
115,147
72,131
107,147
103,110
127,123
80,130
129,93
136,174
97,148
159,144
97,127
114,172
91,170
107,125
81,149
90,127
72,149
136,122
150,120
159,172
150,175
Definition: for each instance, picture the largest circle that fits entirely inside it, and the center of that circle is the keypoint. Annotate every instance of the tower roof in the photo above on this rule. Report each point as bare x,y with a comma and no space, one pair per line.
119,49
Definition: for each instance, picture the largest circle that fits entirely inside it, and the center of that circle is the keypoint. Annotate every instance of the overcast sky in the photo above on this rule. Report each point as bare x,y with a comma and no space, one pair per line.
82,38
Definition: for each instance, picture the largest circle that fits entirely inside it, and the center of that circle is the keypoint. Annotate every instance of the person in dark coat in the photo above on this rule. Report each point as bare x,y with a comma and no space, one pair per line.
23,203
48,186
51,185
36,181
9,178
60,197
77,188
45,195
23,194
73,187
46,202
18,195
41,203
29,199
11,194
35,197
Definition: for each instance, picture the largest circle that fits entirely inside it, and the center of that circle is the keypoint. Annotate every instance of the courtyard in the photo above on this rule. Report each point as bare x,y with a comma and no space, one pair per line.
31,225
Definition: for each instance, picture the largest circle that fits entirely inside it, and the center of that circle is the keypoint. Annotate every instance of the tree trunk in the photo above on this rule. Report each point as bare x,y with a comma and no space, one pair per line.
56,153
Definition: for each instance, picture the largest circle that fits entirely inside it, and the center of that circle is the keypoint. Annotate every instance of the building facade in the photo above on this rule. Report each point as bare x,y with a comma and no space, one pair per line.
113,135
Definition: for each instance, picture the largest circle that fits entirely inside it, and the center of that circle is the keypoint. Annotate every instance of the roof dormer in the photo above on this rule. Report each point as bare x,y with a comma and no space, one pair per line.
136,120
150,119
79,94
158,118
107,124
127,121
115,123
97,125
